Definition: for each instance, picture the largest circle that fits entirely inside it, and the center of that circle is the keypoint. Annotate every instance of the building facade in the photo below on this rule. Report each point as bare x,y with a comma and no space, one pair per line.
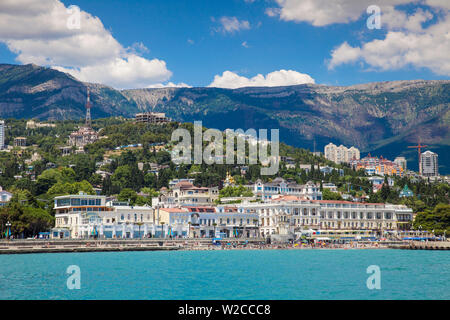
377,166
82,137
207,222
281,187
288,217
401,162
185,193
20,142
341,154
152,117
429,164
84,216
2,134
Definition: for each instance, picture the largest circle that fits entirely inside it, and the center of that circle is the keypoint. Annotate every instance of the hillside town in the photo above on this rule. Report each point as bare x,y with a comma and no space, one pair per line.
103,184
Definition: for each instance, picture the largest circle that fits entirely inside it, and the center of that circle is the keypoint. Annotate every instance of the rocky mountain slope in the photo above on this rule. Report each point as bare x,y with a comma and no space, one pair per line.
382,118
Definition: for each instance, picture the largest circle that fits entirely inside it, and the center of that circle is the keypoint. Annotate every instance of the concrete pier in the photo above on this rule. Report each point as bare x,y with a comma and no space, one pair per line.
420,245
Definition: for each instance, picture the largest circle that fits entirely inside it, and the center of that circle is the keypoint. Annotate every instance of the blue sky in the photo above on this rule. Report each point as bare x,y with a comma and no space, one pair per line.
191,40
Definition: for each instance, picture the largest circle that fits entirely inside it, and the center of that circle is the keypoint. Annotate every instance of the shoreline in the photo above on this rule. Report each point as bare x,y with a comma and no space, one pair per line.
82,246
79,246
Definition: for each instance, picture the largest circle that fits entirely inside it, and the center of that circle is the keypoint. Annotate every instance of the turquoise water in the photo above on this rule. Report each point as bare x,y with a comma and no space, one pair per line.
271,274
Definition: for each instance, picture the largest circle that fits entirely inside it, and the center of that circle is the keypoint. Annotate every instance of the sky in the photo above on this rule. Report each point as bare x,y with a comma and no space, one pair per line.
229,43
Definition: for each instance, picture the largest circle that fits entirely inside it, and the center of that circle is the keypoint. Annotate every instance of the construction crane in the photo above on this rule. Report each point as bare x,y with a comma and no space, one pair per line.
419,147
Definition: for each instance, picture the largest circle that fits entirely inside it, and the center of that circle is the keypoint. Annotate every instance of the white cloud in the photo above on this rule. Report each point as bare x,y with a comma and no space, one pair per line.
36,30
232,80
232,25
170,85
245,44
399,20
344,54
324,12
134,70
406,44
443,4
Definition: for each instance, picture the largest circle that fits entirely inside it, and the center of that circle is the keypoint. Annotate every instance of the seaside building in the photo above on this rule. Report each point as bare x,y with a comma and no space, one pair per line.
5,197
290,215
280,187
152,117
207,222
2,134
429,164
83,216
341,154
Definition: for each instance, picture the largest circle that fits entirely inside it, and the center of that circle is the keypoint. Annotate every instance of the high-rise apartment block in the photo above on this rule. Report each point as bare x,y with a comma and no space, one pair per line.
2,134
341,154
429,164
401,162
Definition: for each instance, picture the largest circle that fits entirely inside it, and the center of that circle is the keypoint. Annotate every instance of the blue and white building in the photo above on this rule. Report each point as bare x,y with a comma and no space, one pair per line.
89,216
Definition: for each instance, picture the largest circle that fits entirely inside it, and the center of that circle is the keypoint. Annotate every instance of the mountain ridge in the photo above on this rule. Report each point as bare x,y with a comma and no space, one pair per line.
377,117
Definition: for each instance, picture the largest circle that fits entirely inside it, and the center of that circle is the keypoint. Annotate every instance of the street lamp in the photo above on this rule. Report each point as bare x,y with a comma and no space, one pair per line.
8,229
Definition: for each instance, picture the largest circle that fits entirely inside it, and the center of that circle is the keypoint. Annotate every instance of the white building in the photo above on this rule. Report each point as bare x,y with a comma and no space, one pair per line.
280,187
292,215
330,186
341,154
2,134
185,193
90,216
429,164
207,222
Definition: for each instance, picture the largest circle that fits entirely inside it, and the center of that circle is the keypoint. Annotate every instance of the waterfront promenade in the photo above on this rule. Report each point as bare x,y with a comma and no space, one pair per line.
158,244
88,245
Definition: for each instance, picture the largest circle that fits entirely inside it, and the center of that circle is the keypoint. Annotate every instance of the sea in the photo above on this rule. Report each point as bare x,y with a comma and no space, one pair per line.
361,274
